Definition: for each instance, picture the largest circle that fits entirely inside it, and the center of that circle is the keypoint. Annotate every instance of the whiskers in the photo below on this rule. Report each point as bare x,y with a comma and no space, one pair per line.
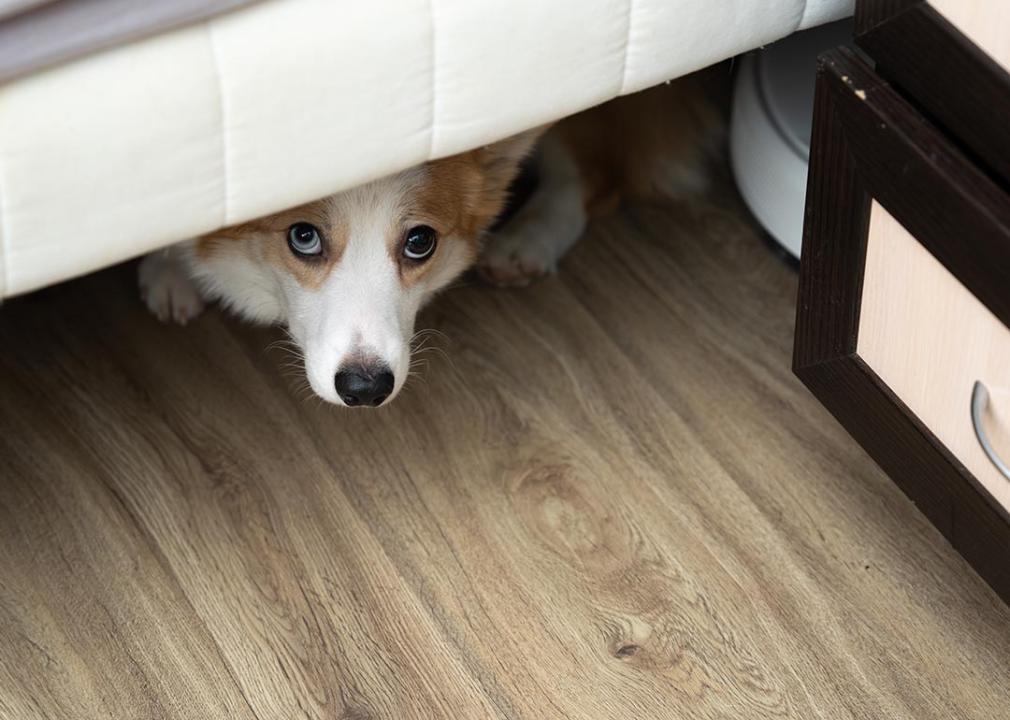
425,345
294,358
292,366
425,342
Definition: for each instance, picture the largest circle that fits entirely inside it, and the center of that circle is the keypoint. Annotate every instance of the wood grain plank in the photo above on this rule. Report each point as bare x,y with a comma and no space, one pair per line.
286,581
92,624
806,489
605,497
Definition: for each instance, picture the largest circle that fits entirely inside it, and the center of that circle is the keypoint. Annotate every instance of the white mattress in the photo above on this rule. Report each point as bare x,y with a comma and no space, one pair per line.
136,147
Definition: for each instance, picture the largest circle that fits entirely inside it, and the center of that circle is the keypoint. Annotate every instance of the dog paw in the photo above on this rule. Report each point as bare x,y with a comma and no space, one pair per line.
517,261
167,289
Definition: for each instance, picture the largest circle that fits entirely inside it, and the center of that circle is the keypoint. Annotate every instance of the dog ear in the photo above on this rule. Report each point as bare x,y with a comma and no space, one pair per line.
501,160
499,165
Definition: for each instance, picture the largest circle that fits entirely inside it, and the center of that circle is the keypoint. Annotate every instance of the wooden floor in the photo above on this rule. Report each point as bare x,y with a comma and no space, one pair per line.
608,498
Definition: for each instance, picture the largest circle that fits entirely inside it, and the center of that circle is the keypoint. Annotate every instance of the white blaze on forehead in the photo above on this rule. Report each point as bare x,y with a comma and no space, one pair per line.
362,310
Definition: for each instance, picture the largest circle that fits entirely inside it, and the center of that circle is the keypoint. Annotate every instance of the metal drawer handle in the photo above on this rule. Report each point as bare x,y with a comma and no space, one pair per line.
979,400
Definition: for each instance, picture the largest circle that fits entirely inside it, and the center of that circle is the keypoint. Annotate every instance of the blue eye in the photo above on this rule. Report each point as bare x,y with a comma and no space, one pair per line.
419,245
305,240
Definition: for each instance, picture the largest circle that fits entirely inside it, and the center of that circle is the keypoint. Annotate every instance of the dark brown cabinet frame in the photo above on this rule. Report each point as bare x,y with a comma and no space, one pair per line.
870,143
964,89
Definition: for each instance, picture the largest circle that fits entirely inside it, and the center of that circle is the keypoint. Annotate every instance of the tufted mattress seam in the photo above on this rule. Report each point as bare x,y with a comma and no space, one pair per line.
627,49
434,81
219,78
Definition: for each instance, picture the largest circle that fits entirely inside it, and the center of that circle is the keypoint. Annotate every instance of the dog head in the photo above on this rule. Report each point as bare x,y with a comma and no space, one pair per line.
347,274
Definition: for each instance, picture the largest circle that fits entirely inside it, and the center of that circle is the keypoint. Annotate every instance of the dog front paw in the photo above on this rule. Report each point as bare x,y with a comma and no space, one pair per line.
167,289
516,261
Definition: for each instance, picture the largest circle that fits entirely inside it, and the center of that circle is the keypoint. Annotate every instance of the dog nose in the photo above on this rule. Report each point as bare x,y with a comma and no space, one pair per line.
361,385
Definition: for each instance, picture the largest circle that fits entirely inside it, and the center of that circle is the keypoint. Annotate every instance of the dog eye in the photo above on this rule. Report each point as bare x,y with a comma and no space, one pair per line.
420,243
304,240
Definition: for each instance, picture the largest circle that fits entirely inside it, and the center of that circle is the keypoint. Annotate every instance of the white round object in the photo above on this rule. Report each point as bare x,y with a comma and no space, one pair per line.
770,128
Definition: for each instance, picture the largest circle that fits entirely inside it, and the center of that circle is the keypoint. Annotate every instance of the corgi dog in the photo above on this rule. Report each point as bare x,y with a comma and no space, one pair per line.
348,273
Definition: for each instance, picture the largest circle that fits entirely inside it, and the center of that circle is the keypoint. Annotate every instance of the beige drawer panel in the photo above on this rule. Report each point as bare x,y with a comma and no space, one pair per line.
929,339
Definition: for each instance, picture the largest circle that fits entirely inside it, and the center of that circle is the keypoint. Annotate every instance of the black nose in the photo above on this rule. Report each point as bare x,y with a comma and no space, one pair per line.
361,385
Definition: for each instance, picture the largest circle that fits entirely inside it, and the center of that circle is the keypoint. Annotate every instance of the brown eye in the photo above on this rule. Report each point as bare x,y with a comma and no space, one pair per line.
420,243
305,240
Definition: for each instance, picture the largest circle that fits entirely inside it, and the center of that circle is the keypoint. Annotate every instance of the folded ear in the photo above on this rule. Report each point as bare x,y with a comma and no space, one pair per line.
501,160
498,164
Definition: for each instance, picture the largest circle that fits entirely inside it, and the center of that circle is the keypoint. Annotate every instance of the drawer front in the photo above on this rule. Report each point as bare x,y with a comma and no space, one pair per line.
903,304
953,58
930,340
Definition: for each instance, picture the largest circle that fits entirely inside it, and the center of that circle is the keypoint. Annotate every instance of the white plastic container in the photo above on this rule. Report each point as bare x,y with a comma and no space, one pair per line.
770,128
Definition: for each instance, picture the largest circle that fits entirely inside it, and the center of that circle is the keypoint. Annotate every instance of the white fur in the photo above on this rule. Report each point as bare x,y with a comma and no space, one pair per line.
167,288
362,310
248,288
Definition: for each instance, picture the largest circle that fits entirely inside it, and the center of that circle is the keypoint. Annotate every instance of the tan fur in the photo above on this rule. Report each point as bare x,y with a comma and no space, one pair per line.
265,239
472,188
444,201
463,194
460,196
655,143
630,146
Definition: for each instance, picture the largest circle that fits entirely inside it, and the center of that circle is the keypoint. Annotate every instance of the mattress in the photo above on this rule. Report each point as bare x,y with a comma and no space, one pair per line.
130,148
